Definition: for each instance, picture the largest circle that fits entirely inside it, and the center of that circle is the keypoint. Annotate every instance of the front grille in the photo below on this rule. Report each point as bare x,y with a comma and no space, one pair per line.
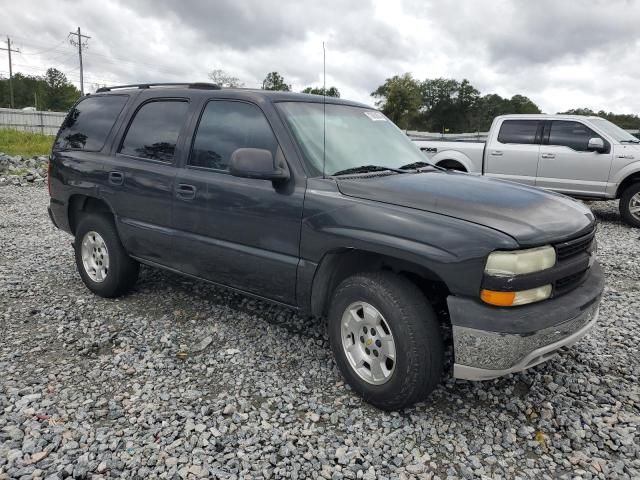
565,284
576,246
568,251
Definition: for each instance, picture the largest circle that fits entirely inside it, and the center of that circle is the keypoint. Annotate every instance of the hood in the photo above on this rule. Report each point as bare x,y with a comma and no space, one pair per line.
530,215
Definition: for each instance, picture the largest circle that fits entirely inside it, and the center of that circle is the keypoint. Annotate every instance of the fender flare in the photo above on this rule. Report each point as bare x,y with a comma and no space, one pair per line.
459,157
623,177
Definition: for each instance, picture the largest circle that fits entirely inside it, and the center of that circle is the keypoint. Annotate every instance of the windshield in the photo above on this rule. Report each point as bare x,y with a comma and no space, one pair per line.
617,133
355,136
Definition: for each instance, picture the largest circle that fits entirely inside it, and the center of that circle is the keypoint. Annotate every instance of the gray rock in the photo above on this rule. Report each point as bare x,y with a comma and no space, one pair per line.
97,384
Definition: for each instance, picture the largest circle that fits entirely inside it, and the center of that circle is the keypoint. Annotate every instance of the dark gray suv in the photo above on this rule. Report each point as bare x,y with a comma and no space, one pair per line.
325,206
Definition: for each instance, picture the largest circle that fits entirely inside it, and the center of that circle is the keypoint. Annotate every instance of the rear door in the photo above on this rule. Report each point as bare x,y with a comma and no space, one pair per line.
567,166
240,232
138,179
512,154
81,147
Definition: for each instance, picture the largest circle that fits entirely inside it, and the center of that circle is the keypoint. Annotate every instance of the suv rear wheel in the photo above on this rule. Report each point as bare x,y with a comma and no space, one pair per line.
102,262
630,205
386,339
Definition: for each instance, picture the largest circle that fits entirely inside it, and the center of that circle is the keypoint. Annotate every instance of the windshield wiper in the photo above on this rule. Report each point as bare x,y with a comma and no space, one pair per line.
629,141
417,165
367,169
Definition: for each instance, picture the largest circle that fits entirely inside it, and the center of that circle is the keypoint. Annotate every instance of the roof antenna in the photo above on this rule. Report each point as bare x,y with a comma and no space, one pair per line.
324,110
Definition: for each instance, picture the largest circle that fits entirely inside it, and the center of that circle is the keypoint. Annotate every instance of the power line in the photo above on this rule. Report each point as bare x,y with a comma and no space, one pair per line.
55,47
79,44
61,55
9,50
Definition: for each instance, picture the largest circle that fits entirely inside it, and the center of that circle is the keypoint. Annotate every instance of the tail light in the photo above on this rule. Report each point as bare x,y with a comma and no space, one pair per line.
49,176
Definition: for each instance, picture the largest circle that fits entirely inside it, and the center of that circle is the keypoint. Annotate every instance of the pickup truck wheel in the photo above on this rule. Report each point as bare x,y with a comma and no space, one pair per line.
103,264
386,339
630,205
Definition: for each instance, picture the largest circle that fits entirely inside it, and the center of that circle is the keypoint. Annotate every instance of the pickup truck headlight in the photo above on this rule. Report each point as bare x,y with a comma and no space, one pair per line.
518,262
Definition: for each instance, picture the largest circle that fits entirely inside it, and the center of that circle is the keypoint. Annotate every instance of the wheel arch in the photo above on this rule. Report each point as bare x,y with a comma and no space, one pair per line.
450,164
453,156
629,180
80,204
337,265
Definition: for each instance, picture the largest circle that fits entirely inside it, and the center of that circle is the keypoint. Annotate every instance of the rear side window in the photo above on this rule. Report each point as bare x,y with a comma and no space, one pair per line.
88,124
154,131
518,131
574,135
226,126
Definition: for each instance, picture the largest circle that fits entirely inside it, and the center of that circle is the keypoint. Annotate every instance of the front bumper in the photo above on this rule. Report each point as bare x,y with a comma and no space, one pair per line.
490,342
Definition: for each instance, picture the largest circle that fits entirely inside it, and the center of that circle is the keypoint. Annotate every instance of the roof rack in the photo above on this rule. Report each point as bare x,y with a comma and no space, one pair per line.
201,85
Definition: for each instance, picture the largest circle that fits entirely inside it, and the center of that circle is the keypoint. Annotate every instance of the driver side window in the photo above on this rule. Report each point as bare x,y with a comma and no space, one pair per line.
570,134
225,126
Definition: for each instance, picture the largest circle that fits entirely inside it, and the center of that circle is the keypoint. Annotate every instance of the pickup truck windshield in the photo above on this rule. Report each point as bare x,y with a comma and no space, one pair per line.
617,133
355,136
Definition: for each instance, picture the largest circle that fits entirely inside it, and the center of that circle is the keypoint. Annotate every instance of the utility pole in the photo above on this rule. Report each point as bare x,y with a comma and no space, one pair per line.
9,50
79,36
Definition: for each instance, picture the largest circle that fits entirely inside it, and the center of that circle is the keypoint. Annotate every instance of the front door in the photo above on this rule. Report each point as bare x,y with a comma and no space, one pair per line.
243,233
566,165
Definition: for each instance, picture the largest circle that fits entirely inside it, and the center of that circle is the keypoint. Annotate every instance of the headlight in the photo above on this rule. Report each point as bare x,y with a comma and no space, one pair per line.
517,262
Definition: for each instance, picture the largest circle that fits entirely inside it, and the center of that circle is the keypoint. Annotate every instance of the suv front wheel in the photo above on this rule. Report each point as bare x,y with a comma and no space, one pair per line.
386,339
630,205
102,262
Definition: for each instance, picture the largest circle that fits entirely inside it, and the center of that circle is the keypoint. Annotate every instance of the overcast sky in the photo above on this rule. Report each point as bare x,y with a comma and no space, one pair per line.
561,54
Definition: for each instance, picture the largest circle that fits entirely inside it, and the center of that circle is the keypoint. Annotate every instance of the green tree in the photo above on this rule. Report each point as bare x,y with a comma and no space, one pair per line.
447,104
223,79
522,104
59,93
274,81
330,92
578,111
51,92
623,120
399,99
444,104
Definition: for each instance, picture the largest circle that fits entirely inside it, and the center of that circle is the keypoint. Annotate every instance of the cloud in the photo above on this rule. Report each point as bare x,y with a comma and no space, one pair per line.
560,54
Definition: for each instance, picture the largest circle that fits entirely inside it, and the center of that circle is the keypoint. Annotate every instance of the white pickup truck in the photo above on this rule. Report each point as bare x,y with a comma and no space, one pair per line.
584,157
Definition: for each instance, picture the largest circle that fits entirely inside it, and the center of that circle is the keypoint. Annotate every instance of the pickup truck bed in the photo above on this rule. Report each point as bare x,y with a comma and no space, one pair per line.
462,155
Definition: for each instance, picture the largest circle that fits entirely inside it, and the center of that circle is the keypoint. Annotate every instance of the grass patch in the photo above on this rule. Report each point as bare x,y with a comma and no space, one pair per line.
27,144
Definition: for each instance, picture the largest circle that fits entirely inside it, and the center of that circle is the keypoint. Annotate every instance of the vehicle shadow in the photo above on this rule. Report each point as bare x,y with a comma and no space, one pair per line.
216,296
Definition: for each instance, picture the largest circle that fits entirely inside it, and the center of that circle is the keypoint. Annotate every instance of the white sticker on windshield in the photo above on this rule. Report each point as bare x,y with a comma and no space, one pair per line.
375,116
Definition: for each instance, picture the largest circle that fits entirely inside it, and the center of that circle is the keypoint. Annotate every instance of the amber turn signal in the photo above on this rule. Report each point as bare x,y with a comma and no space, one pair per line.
500,299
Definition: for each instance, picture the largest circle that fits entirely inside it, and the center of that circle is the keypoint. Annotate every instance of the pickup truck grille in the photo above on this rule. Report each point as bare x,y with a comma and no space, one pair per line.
576,246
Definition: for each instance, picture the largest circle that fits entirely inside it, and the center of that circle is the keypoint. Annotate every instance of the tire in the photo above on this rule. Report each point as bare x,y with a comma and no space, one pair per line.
629,200
115,272
452,165
412,326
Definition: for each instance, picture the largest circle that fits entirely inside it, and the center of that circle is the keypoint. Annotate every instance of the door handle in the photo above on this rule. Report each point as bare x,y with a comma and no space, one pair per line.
548,155
496,153
116,178
186,192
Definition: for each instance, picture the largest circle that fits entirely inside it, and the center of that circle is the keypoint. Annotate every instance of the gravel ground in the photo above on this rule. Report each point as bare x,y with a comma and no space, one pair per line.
180,379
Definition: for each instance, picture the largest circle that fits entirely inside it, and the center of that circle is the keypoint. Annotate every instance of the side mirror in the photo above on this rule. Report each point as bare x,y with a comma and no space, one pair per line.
595,144
258,163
